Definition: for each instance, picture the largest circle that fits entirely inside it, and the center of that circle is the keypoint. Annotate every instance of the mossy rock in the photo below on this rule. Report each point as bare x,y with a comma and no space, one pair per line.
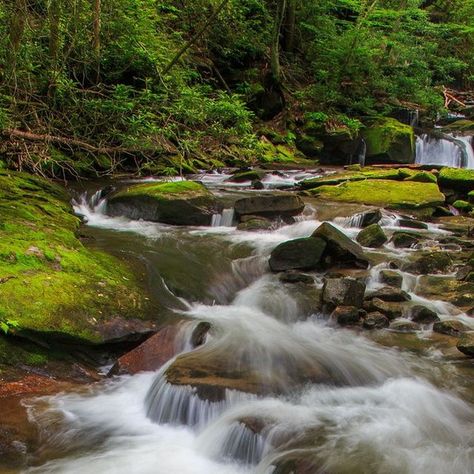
51,286
372,236
243,176
175,203
470,197
463,126
392,194
389,141
458,179
422,177
462,206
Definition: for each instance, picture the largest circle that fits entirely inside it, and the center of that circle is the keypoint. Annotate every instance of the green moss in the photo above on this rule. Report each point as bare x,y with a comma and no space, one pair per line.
422,177
457,178
49,282
157,190
470,197
462,206
403,195
460,126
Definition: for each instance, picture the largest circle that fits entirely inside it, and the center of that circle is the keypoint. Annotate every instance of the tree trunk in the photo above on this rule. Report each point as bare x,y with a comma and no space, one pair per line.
290,26
18,16
54,13
275,47
96,36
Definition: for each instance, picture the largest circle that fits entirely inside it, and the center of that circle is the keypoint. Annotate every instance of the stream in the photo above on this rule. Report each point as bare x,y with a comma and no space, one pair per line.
390,402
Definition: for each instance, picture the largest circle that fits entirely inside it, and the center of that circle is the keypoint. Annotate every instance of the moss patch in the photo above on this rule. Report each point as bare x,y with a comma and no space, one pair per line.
157,190
457,178
398,195
49,282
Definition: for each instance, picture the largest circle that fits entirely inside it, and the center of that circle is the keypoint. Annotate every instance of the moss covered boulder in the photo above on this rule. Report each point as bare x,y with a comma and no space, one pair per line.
175,203
51,286
297,254
389,141
458,179
385,193
372,236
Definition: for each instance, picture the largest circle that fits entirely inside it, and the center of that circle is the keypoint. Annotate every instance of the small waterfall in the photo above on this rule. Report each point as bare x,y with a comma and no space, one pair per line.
362,152
225,219
456,153
85,205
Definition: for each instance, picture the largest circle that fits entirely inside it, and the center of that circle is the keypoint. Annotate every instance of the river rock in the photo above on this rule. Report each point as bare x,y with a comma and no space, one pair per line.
297,254
249,175
255,224
372,236
459,179
343,292
389,293
270,205
451,327
340,249
423,315
346,315
405,239
432,262
404,326
411,223
176,203
390,309
466,344
392,278
365,219
375,320
296,277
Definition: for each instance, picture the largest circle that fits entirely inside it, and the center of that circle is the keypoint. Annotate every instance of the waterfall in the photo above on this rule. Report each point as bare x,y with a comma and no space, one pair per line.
362,153
225,219
456,152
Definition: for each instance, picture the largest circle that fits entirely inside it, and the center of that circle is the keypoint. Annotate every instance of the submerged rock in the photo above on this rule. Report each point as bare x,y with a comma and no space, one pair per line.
372,236
404,326
340,249
451,327
375,320
176,203
343,292
297,254
270,205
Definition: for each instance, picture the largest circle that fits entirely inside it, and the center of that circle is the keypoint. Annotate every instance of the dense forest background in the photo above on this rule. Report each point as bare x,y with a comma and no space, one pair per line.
97,86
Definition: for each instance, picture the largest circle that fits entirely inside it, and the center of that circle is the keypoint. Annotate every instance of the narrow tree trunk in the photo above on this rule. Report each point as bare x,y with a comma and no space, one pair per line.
275,47
54,19
18,16
96,36
290,26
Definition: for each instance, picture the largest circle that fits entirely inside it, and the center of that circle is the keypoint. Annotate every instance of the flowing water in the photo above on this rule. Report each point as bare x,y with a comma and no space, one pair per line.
458,153
317,398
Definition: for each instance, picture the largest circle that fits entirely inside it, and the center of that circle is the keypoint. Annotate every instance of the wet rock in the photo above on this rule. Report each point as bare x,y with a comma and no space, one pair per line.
404,326
340,249
466,344
176,203
412,223
389,293
255,224
375,320
423,315
343,292
270,205
372,236
257,184
391,278
297,254
451,327
462,206
249,175
432,262
346,315
296,277
150,355
198,336
405,239
389,309
459,179
370,217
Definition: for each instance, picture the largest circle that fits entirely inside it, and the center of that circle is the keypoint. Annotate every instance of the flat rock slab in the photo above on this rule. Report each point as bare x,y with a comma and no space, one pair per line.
270,205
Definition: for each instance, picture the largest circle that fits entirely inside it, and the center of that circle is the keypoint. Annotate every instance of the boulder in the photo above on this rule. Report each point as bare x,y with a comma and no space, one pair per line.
255,224
466,344
451,327
372,236
249,175
384,193
375,320
297,254
411,223
368,218
462,206
346,315
343,292
389,309
391,294
270,205
340,249
176,203
296,277
423,315
392,278
459,179
404,326
432,262
405,239
389,141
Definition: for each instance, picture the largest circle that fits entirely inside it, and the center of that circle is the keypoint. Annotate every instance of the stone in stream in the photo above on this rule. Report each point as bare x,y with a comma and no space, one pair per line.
466,344
375,320
411,223
405,239
249,175
423,315
372,236
175,203
451,327
404,326
343,292
346,315
272,206
390,309
368,218
340,249
431,262
389,293
297,254
296,277
255,224
392,278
